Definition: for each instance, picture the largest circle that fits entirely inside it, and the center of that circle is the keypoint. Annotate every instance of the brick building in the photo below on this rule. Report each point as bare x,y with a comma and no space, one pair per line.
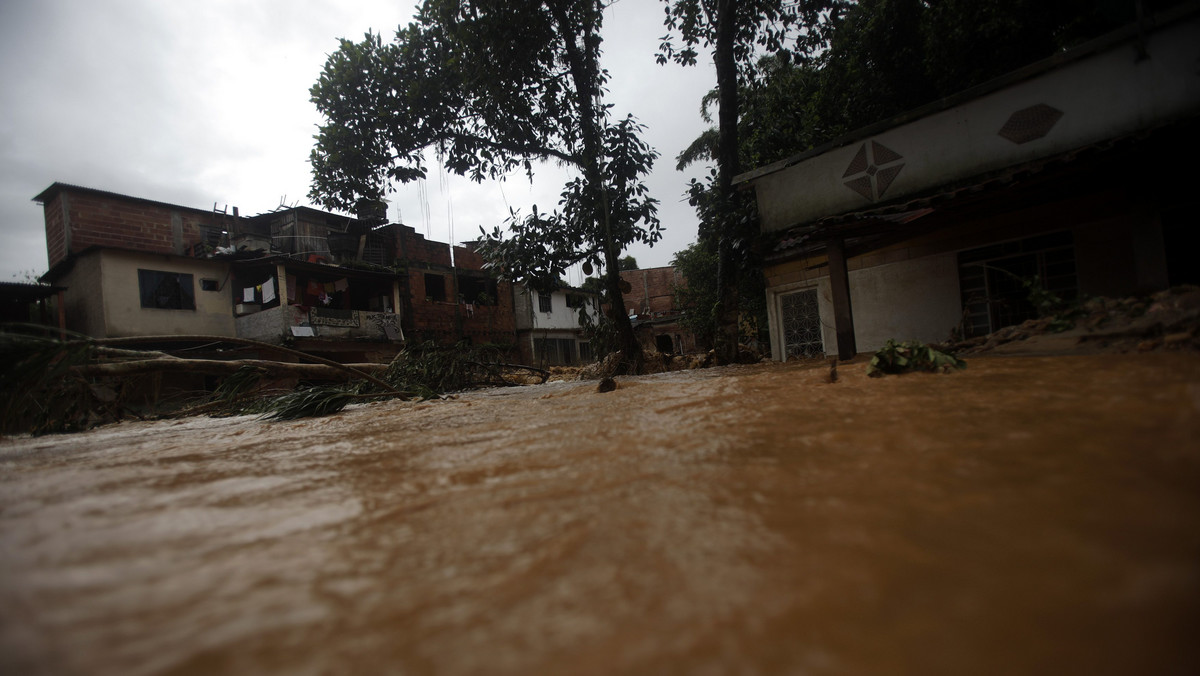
324,283
650,303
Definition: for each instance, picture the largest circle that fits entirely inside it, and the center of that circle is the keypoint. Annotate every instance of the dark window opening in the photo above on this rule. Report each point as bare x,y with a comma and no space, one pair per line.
1180,240
478,290
209,285
166,290
993,280
664,344
575,300
435,287
370,296
544,304
555,351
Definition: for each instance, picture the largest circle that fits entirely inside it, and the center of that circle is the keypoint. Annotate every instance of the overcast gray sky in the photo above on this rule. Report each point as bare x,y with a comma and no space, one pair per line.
197,102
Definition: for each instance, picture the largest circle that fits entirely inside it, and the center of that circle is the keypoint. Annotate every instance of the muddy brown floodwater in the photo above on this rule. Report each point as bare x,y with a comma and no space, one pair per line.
1027,515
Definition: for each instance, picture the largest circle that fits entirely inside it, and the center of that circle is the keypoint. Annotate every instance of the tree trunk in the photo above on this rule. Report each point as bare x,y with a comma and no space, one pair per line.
584,75
727,167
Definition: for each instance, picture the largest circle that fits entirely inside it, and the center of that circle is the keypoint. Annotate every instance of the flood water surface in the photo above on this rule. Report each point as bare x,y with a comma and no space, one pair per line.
1027,515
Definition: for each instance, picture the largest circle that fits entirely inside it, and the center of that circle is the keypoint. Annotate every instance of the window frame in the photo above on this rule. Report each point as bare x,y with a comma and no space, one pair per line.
150,282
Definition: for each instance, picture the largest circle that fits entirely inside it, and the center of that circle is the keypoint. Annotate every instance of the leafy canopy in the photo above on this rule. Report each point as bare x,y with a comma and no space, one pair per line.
490,87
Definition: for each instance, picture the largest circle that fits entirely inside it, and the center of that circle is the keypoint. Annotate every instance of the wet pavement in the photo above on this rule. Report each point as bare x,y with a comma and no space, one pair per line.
1027,515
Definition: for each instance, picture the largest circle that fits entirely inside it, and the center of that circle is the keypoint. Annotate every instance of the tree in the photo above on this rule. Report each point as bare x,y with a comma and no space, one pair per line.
493,87
629,263
735,31
884,57
853,64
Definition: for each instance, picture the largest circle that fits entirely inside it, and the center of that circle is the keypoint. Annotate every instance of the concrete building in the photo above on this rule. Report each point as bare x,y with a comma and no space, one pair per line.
550,328
1076,170
323,283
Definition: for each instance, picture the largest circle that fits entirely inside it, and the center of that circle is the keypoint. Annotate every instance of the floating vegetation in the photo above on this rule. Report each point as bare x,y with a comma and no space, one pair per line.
911,356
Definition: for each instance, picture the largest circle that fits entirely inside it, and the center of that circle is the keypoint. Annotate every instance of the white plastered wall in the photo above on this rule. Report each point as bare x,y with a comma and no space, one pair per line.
908,300
124,315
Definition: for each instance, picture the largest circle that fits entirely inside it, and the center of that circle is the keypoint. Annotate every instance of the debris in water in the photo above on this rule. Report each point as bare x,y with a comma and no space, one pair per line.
606,385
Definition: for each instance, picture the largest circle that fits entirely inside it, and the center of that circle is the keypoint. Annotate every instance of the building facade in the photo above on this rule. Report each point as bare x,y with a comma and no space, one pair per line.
650,304
550,325
934,222
323,283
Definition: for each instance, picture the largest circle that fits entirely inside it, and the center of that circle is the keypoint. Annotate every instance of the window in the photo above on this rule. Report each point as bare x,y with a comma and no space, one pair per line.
992,279
166,290
554,351
575,300
800,318
209,285
435,287
544,304
478,290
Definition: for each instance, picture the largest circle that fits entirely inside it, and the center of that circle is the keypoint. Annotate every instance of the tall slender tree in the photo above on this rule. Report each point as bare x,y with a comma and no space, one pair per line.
737,32
491,87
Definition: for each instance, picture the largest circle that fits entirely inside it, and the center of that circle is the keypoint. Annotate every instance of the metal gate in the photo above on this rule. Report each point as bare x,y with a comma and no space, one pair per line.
800,316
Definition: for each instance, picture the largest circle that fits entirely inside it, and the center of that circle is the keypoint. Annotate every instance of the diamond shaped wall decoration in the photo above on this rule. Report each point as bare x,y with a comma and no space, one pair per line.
885,177
859,164
883,154
872,170
862,186
1030,124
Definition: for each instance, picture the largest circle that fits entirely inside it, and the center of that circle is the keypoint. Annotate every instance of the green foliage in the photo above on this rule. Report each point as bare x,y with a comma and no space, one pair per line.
873,59
594,285
38,392
628,263
1046,302
426,370
736,31
309,403
600,332
911,356
429,369
537,249
492,87
697,296
754,27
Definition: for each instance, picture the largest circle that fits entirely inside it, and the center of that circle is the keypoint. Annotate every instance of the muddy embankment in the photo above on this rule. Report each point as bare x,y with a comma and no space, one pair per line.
1026,515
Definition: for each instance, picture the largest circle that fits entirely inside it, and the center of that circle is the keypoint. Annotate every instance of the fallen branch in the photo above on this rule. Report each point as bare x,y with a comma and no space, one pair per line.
250,343
274,369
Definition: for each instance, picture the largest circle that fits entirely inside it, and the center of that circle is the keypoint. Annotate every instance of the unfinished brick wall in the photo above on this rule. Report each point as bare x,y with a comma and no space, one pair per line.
56,235
413,247
95,218
448,321
653,290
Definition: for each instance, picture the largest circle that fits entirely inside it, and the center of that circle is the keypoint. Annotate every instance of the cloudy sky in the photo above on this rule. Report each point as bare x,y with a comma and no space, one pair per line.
197,102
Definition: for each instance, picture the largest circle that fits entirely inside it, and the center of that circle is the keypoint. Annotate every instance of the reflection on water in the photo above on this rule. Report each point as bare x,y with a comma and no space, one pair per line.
1026,515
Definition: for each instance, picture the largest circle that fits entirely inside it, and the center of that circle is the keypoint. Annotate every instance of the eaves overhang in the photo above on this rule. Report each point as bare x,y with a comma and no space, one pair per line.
1074,102
1110,162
